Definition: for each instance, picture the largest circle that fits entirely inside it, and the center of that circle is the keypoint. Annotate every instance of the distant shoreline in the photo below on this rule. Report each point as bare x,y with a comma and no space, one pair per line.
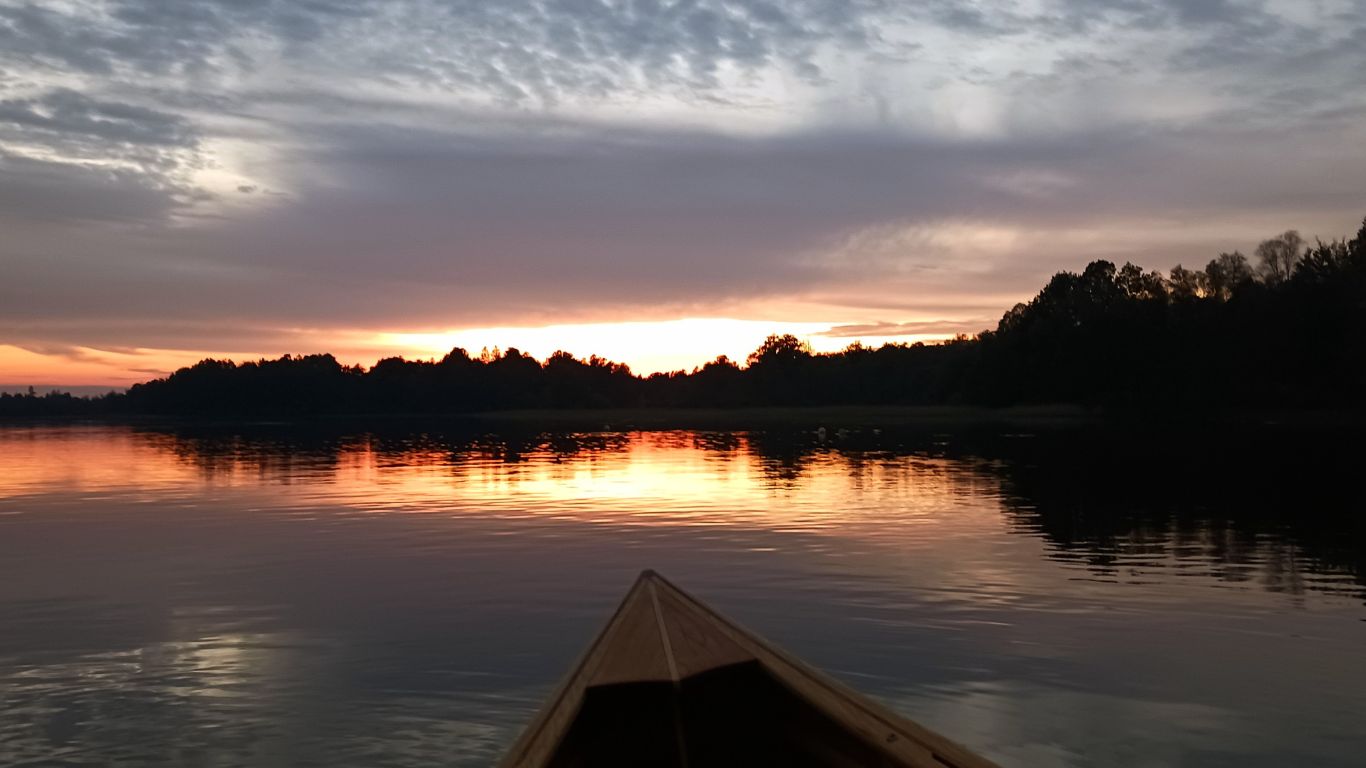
76,390
1059,416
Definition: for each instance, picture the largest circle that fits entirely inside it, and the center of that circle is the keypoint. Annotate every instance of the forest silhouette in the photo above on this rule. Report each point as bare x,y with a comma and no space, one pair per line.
1283,330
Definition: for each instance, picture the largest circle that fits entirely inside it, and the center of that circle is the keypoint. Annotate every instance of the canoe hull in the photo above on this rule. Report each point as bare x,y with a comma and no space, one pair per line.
670,682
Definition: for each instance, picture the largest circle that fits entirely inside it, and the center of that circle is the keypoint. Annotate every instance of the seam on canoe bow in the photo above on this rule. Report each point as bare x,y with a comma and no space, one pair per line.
664,635
673,672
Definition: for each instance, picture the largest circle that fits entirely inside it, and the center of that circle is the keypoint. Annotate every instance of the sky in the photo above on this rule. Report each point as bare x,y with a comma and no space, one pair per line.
657,182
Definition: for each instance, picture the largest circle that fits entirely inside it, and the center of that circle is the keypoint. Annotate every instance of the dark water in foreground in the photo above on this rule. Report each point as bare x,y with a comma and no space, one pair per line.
354,599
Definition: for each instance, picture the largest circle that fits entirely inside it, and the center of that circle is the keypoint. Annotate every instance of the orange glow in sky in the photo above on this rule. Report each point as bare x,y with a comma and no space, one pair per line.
645,346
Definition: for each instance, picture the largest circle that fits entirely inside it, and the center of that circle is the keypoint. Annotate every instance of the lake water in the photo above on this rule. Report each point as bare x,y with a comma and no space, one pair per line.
345,597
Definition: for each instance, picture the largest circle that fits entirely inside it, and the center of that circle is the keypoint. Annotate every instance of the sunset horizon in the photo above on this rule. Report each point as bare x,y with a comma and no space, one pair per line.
646,346
691,343
886,383
246,181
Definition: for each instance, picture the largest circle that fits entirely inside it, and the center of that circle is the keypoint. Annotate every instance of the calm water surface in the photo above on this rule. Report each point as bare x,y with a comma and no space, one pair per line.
347,598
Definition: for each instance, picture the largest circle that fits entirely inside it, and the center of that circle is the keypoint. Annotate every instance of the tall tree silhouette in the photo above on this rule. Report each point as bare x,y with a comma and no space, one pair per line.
1278,256
1227,274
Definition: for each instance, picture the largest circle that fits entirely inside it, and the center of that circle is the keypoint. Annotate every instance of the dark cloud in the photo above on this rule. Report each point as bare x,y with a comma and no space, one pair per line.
586,216
111,336
418,229
65,113
65,155
35,190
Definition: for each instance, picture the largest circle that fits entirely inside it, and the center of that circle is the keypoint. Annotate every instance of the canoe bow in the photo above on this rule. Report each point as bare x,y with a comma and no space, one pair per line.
671,682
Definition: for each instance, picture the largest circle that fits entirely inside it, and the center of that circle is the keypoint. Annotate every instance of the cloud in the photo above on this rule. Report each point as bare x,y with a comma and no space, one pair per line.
514,50
917,328
67,155
34,192
426,229
190,38
265,173
65,112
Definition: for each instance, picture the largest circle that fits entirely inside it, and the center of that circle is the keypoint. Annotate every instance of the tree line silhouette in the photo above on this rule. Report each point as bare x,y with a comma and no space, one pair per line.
1288,331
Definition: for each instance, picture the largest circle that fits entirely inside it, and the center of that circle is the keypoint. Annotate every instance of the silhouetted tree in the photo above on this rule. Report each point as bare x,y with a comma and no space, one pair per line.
778,371
1227,273
1188,285
780,350
1278,256
1140,285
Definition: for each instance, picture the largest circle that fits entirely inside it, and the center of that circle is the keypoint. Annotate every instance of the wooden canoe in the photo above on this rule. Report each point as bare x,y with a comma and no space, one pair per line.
669,682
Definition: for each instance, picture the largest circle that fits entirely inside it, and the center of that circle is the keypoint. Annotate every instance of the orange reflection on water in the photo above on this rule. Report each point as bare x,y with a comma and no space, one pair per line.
85,460
637,478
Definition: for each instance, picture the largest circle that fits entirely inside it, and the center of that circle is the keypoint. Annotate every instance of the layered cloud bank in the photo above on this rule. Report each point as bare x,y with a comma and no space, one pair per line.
190,177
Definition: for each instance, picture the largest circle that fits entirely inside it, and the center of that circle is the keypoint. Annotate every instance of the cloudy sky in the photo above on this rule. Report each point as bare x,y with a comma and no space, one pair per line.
657,180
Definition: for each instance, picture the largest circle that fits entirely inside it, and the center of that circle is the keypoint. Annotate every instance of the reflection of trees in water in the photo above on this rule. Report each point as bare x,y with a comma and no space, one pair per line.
284,453
721,444
272,455
1133,547
1113,502
1121,504
784,458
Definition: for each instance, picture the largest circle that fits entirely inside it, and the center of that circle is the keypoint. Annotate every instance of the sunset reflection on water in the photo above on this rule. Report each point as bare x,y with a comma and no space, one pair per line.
325,596
639,478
